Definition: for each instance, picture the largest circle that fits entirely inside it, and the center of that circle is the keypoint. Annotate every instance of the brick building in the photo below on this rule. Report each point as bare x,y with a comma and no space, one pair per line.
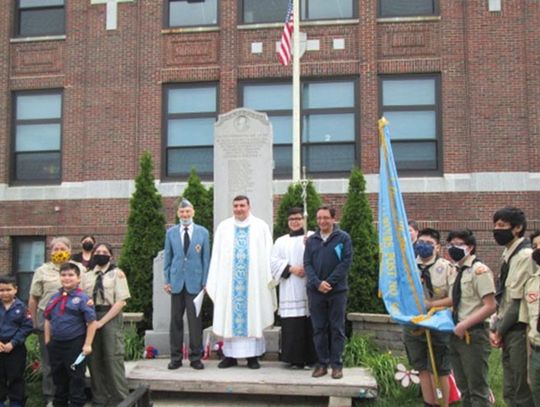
86,87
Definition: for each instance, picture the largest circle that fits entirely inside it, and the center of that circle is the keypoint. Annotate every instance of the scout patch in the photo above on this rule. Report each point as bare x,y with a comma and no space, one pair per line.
76,300
198,248
120,274
439,269
481,270
532,296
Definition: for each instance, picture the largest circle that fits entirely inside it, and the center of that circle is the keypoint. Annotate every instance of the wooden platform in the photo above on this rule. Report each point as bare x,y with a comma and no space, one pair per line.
273,378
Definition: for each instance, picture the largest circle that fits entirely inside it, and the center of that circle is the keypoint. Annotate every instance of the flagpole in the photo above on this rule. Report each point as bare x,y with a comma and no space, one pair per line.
296,142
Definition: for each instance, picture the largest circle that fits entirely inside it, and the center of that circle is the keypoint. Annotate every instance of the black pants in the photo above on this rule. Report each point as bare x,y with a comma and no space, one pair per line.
12,366
328,319
181,302
69,383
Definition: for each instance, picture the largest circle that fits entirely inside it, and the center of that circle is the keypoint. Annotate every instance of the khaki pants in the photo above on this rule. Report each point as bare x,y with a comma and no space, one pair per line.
470,363
534,374
516,391
108,378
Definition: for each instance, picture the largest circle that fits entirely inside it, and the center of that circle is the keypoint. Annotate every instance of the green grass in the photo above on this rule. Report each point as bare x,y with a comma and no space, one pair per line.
360,351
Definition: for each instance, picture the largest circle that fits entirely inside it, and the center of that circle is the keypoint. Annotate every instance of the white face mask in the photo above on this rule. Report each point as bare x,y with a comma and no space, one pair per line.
186,222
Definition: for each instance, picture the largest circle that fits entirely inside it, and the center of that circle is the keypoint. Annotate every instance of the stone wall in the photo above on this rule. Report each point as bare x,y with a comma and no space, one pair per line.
385,332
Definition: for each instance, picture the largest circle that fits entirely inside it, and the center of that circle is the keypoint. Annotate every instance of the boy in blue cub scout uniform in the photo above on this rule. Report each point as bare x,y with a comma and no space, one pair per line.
187,257
70,326
327,259
15,326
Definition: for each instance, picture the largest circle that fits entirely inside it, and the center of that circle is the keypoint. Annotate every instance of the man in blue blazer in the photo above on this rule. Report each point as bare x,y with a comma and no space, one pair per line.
187,256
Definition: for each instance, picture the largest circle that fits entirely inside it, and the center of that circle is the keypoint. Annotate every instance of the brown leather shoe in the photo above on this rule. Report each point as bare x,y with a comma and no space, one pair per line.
337,373
319,372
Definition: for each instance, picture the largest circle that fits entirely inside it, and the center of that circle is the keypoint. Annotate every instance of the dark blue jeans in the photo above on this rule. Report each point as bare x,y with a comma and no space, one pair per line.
328,319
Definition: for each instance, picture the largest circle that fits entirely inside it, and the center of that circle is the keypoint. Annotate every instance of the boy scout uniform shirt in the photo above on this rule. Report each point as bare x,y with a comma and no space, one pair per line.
115,286
15,323
46,282
439,273
71,323
520,271
476,282
529,307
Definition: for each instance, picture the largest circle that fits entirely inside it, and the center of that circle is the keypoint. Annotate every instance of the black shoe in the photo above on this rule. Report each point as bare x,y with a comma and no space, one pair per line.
253,363
297,366
174,364
197,365
227,362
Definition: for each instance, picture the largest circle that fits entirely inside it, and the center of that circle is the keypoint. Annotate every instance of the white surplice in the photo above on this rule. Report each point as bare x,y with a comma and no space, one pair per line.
289,250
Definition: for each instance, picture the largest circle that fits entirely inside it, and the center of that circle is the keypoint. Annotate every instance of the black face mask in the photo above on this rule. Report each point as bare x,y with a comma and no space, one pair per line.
101,259
536,256
503,236
88,246
456,253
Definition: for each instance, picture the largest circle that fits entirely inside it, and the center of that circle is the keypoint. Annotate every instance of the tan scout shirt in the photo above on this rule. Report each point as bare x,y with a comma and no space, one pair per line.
440,274
529,305
115,286
518,274
46,282
477,282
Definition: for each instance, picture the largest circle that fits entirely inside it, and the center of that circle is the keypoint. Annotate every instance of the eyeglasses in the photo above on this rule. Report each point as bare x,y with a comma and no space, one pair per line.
298,219
459,246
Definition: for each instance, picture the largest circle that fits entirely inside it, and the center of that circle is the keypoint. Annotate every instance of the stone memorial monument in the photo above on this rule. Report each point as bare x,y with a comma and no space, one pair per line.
243,163
158,337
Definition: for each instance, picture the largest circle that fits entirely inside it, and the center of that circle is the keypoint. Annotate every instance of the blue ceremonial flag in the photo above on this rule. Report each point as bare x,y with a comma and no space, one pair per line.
399,280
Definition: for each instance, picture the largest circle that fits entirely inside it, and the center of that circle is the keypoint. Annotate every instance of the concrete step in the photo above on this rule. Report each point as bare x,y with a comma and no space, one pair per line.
272,379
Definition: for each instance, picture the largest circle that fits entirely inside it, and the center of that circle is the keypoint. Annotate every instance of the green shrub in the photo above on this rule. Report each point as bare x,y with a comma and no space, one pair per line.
293,198
357,220
32,372
202,200
144,239
133,344
361,351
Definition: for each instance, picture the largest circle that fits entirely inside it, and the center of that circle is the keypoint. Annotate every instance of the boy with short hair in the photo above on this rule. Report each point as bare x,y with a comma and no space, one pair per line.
70,327
434,273
531,305
15,326
473,300
508,330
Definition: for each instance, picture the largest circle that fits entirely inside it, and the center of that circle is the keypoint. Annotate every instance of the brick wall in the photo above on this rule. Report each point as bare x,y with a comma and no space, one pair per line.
112,80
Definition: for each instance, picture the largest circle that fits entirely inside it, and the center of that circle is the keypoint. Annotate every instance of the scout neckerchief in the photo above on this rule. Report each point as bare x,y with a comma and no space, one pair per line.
505,268
62,299
456,290
426,276
98,286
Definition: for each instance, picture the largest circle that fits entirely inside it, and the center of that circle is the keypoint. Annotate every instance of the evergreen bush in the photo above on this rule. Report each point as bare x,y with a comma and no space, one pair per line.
144,239
357,220
202,200
293,198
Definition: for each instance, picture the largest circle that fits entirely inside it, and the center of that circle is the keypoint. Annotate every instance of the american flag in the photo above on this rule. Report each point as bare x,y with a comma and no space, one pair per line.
285,48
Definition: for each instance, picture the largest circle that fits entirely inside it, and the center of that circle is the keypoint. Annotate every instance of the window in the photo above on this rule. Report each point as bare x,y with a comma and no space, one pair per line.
40,17
328,123
412,104
191,13
191,111
257,11
28,255
37,134
408,8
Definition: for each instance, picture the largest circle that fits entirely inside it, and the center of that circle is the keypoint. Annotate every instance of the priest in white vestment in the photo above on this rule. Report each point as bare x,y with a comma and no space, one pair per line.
287,262
241,286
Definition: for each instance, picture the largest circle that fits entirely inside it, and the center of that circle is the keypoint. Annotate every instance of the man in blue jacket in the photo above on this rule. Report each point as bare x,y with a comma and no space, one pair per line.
327,260
187,255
